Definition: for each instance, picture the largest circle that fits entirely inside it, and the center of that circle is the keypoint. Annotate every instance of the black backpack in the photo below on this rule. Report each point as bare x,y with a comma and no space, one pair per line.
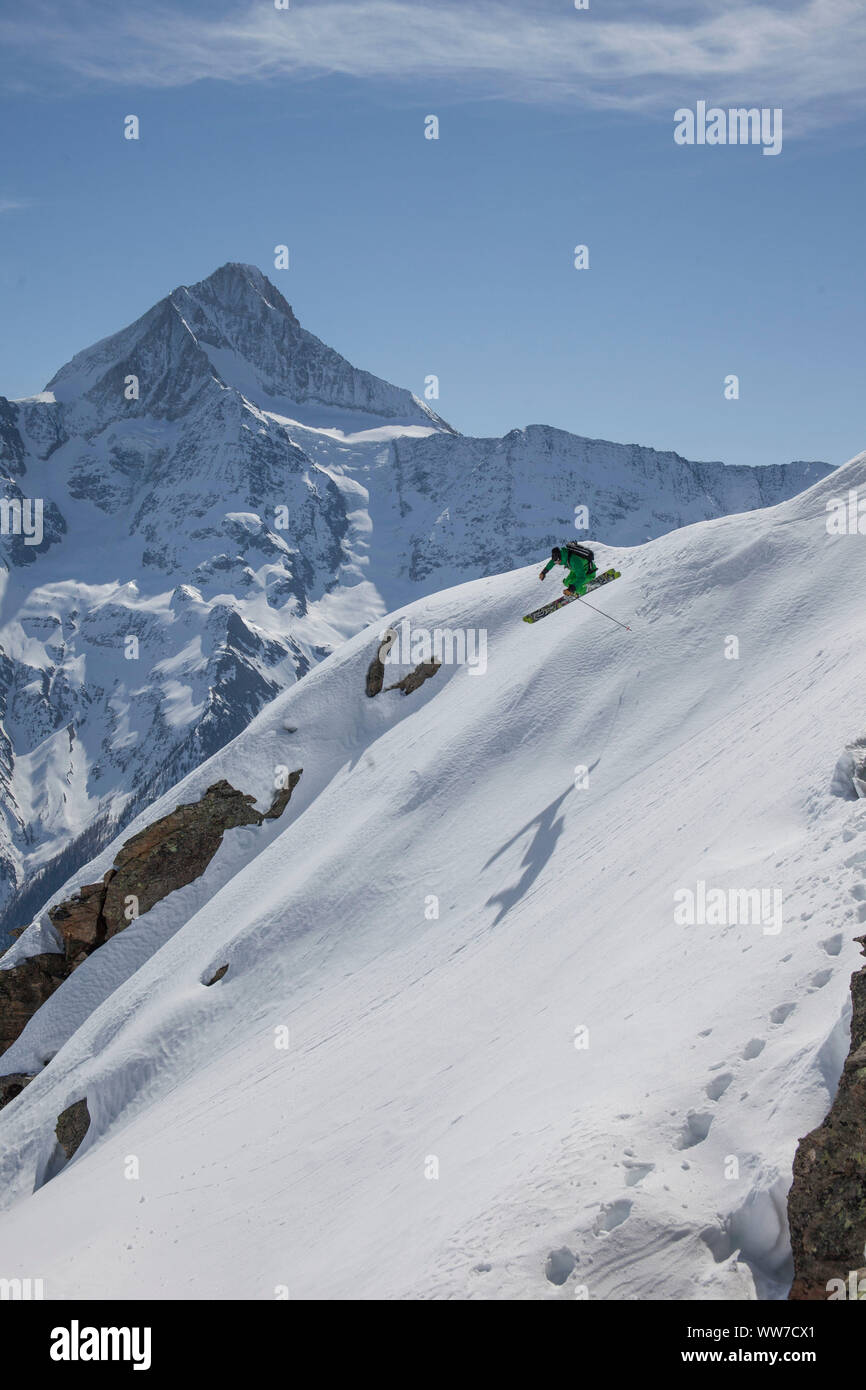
584,552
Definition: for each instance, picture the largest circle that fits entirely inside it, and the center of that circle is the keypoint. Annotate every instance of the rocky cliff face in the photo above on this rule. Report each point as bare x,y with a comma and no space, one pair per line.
827,1201
168,854
23,990
224,500
499,503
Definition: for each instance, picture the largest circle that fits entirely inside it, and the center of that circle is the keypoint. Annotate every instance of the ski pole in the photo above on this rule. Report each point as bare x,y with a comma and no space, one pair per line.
603,614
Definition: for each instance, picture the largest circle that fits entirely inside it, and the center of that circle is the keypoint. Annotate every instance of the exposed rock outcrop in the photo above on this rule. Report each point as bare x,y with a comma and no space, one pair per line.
827,1200
24,989
218,974
416,678
283,796
375,677
12,1086
375,681
167,855
72,1125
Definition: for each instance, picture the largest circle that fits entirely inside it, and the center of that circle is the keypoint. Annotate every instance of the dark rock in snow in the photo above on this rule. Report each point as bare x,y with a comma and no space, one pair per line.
827,1200
24,989
12,1086
72,1126
165,856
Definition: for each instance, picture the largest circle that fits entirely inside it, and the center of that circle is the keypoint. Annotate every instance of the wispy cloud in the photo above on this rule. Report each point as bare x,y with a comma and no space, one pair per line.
806,54
13,204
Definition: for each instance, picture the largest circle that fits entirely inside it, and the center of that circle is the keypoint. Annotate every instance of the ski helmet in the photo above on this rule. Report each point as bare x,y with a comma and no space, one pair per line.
556,554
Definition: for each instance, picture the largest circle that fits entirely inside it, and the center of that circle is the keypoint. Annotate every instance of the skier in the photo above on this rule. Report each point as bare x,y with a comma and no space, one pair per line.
578,560
582,577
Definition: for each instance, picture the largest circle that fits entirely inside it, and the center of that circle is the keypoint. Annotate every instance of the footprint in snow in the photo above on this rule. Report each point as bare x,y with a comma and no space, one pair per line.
636,1172
612,1216
754,1048
719,1084
559,1265
820,979
781,1012
832,944
695,1129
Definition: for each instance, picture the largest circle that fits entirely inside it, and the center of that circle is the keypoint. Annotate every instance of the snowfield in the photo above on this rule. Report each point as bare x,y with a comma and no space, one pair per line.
510,1071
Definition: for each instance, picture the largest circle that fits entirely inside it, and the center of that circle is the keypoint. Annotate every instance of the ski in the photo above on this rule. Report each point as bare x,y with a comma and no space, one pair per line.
597,583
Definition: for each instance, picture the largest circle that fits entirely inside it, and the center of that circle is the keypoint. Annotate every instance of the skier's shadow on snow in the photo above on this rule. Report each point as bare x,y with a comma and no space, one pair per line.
548,828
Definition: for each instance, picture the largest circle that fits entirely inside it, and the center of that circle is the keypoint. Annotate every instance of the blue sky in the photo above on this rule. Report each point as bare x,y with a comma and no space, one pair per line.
454,256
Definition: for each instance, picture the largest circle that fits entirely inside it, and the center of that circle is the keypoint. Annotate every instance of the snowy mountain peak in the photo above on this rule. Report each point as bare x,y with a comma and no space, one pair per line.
235,328
234,284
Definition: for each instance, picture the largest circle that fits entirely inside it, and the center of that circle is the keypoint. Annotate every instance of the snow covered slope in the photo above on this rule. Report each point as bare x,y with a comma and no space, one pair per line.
225,500
509,1061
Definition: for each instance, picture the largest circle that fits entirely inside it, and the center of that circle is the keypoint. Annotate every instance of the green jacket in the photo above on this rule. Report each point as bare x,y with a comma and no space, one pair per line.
578,569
